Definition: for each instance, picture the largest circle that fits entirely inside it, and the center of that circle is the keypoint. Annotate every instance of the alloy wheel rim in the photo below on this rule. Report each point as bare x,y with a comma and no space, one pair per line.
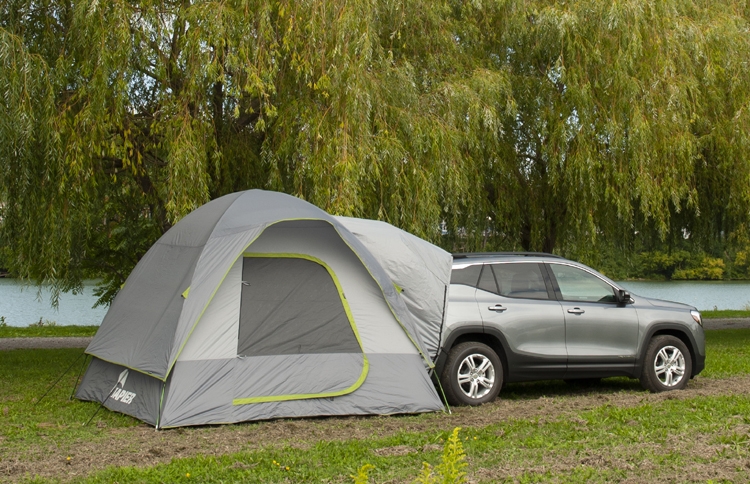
476,376
669,366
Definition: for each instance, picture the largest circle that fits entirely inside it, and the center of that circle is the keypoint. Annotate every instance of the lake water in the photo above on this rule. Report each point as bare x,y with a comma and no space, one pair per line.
21,306
701,294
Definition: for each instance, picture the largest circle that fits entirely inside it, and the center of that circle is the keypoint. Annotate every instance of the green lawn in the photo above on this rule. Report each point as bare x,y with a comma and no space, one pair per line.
648,437
725,313
25,375
46,331
727,353
602,445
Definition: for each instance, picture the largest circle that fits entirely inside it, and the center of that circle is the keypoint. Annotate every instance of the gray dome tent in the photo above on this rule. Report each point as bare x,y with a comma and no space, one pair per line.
260,305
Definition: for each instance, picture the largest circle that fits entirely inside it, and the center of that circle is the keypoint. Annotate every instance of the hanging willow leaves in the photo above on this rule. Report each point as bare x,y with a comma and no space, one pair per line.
519,124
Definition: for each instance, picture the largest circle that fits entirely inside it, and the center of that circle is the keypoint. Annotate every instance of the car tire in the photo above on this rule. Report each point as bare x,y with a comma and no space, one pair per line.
473,374
667,366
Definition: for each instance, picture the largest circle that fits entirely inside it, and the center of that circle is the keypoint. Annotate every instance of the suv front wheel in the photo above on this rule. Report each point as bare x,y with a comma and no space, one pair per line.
667,366
473,374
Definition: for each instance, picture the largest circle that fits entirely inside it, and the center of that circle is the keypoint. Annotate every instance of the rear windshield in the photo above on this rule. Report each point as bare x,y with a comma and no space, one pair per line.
468,276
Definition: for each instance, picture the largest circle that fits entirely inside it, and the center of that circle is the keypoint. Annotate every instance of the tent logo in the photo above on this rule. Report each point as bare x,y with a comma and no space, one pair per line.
120,394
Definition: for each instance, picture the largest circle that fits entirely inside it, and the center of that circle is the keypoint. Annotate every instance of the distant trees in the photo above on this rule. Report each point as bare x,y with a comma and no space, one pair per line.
522,124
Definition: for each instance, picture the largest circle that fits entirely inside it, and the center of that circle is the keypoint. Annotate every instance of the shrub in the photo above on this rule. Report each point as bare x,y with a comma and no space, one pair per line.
663,264
709,269
681,265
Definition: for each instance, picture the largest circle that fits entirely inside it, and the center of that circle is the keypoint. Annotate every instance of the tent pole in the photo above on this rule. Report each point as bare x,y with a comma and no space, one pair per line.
58,380
161,402
440,341
445,400
442,323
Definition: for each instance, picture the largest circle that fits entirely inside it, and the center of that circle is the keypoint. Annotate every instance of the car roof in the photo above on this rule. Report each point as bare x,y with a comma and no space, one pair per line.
470,258
461,260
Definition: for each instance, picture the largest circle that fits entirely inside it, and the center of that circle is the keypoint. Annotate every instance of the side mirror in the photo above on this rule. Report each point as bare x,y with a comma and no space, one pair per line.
623,296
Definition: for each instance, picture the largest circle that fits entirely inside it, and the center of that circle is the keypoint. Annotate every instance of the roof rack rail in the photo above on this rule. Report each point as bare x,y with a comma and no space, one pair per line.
467,255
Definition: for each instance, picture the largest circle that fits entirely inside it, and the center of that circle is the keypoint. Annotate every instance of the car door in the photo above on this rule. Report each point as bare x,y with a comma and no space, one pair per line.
601,336
515,301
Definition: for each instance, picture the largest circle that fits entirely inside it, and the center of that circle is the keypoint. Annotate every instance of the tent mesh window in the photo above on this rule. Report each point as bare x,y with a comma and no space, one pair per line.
291,306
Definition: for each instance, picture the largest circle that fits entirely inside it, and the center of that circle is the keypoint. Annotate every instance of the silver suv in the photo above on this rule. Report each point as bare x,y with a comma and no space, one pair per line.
528,316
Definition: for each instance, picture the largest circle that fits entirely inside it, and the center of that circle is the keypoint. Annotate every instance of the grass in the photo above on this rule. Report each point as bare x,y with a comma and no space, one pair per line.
516,450
725,313
727,353
659,439
25,375
46,331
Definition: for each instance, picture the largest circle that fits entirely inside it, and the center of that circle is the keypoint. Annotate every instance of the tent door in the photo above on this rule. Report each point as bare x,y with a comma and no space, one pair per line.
297,338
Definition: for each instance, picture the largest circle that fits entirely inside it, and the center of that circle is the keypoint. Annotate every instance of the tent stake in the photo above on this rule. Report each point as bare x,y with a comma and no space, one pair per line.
58,380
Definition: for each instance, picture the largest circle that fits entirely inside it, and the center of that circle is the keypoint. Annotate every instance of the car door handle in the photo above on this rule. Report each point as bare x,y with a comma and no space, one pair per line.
497,307
576,311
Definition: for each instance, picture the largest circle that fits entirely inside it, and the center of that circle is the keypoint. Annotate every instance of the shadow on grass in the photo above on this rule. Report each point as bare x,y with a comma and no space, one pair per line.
560,388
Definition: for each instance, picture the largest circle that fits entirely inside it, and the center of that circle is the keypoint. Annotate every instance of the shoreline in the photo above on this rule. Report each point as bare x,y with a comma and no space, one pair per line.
55,342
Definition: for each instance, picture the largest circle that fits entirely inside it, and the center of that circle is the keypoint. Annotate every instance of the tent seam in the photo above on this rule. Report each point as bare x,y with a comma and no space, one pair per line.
200,316
430,364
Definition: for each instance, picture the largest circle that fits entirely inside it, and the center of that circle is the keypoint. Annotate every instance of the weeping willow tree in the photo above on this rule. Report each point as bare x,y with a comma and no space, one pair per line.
632,117
529,125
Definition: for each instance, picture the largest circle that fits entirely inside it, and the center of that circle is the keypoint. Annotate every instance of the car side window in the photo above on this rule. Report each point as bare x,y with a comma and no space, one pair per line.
580,286
467,276
520,280
487,280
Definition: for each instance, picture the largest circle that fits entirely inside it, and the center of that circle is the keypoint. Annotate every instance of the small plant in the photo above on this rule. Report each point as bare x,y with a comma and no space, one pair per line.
3,323
451,468
362,476
46,323
449,471
426,477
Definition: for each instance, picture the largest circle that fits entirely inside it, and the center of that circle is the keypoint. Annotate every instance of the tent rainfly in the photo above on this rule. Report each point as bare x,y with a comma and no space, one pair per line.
260,305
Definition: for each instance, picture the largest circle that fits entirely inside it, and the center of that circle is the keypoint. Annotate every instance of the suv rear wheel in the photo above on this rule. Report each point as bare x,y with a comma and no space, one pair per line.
668,365
473,374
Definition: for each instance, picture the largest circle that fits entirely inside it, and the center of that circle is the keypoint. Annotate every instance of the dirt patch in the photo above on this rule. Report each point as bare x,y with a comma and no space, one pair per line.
143,446
396,450
44,343
726,323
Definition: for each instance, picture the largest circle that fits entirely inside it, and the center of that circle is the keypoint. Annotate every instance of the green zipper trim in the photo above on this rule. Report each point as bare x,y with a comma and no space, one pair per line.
349,316
200,316
430,364
161,404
